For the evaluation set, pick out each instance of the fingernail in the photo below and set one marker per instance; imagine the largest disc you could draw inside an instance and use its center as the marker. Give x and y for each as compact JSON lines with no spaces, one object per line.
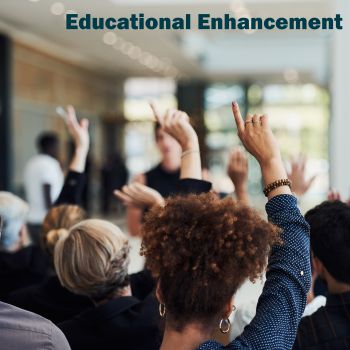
{"x":234,"y":103}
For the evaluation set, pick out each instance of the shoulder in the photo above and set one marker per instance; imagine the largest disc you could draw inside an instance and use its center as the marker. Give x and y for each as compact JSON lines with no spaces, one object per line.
{"x":16,"y":321}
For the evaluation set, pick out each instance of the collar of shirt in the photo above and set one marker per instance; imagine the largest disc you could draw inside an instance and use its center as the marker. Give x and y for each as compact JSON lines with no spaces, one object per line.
{"x":108,"y":310}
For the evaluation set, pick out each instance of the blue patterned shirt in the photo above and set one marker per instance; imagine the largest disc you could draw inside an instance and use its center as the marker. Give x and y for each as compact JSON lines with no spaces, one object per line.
{"x":288,"y":279}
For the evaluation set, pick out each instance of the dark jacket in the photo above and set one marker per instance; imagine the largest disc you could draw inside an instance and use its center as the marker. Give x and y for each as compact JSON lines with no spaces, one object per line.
{"x":20,"y":269}
{"x":50,"y":300}
{"x":328,"y":327}
{"x":123,"y":323}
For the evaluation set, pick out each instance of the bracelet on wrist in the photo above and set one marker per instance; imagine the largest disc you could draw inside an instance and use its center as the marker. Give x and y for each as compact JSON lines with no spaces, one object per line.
{"x":279,"y":183}
{"x":184,"y":154}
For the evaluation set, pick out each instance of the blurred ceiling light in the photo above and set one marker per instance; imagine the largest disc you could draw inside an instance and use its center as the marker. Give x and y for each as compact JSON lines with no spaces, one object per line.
{"x":126,"y":48}
{"x":57,"y":8}
{"x":135,"y":53}
{"x":34,"y":0}
{"x":109,"y":38}
{"x":291,"y":75}
{"x":118,"y":43}
{"x":145,"y":57}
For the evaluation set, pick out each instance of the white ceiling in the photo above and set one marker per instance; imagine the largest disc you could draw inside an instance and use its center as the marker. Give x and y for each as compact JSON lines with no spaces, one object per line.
{"x":193,"y":54}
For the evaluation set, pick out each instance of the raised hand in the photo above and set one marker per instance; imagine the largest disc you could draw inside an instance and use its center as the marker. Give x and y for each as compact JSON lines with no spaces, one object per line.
{"x":78,"y":130}
{"x":258,"y":139}
{"x":297,"y":176}
{"x":256,"y":136}
{"x":237,"y":170}
{"x":139,"y":196}
{"x":333,"y":195}
{"x":177,"y":124}
{"x":80,"y":134}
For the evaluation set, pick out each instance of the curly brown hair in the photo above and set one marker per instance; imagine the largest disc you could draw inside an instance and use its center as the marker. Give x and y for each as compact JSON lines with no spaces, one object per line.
{"x":201,"y":249}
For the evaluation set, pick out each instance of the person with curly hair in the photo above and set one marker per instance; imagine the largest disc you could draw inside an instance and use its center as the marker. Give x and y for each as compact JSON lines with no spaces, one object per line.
{"x":201,"y":249}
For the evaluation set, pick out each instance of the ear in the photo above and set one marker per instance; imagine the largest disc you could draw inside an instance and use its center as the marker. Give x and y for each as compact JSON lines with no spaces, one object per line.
{"x":317,"y":266}
{"x":159,"y":293}
{"x":229,"y":308}
{"x":24,"y":236}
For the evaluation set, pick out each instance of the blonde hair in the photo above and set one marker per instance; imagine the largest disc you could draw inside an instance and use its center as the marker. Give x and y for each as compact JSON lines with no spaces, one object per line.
{"x":57,"y":222}
{"x":92,"y":259}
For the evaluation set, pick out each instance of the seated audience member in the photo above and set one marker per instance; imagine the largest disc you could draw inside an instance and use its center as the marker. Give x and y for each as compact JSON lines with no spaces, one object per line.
{"x":21,"y":264}
{"x":92,"y":260}
{"x":201,"y":249}
{"x":21,"y":329}
{"x":43,"y":180}
{"x":329,"y":327}
{"x":49,"y":299}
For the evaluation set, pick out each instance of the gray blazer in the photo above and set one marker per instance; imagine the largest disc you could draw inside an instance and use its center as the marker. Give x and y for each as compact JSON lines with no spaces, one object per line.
{"x":21,"y":329}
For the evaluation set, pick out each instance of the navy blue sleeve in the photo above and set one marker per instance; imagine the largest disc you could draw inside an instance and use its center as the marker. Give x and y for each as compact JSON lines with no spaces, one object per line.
{"x":288,"y":280}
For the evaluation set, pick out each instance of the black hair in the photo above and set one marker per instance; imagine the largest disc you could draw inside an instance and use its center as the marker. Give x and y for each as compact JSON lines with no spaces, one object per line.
{"x":47,"y":141}
{"x":330,"y":237}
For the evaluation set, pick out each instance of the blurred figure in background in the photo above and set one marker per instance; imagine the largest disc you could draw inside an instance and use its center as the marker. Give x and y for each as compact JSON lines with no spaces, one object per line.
{"x":49,"y":298}
{"x":43,"y":180}
{"x":114,"y":175}
{"x":163,"y":177}
{"x":21,"y":264}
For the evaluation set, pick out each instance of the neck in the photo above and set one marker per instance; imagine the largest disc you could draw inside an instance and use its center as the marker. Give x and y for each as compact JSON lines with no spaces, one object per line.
{"x":171,"y":163}
{"x":335,"y":287}
{"x":190,"y":338}
{"x":125,"y":292}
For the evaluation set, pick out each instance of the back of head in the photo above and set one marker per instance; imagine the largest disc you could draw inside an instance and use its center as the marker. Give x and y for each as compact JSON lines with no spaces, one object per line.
{"x":92,"y":259}
{"x":202,"y":248}
{"x":13,"y":211}
{"x":47,"y":143}
{"x":57,"y":221}
{"x":330,"y":237}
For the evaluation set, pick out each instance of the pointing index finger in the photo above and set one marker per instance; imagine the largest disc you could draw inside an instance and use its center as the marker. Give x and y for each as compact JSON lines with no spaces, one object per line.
{"x":238,"y":116}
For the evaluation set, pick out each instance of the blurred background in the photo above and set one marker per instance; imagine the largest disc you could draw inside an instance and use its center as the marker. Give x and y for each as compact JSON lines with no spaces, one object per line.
{"x":299,"y":78}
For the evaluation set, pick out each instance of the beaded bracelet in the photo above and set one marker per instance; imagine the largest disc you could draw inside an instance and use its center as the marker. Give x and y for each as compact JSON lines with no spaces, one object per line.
{"x":276,"y":184}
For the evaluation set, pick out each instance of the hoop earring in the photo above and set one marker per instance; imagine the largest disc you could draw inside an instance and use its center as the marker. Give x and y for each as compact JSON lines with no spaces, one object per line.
{"x":228,"y":325}
{"x":162,"y":310}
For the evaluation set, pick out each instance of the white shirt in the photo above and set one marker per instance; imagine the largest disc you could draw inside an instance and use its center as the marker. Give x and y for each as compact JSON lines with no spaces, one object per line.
{"x":41,"y":169}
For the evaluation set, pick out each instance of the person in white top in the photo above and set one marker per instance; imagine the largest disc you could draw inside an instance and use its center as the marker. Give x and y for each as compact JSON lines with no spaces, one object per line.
{"x":43,"y":181}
